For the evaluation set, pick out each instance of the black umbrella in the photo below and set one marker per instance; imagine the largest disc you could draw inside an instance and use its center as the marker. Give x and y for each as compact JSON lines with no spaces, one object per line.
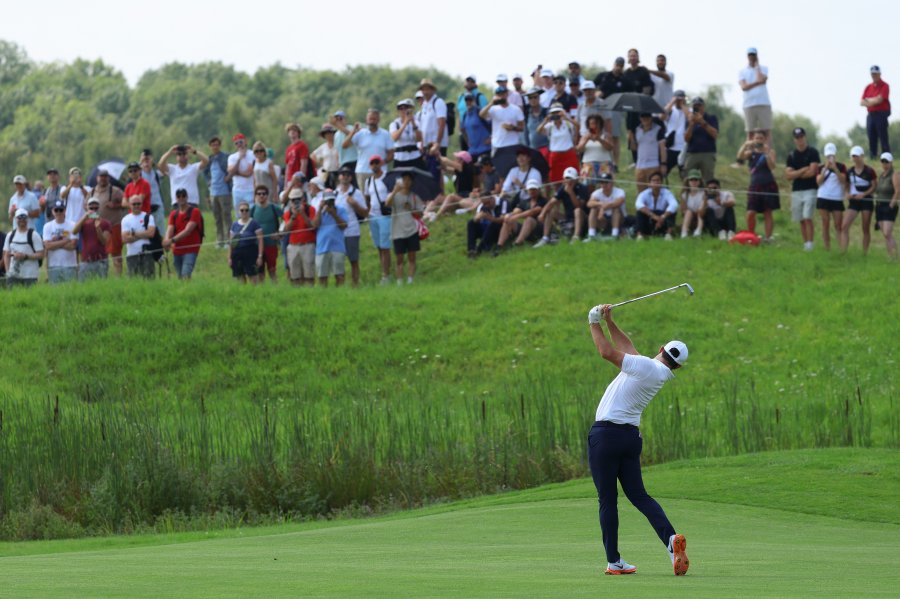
{"x":424,"y":185}
{"x":632,"y":102}
{"x":505,"y":160}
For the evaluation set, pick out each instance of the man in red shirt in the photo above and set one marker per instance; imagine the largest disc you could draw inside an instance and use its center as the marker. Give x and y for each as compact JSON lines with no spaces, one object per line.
{"x":296,"y":157}
{"x":301,"y":250}
{"x":876,"y":99}
{"x":183,"y":235}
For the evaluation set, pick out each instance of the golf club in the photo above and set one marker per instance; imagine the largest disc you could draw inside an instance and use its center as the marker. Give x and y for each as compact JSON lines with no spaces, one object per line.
{"x":689,"y":288}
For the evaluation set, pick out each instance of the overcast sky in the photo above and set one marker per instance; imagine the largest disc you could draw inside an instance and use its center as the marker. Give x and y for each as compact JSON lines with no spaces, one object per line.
{"x":818,"y":53}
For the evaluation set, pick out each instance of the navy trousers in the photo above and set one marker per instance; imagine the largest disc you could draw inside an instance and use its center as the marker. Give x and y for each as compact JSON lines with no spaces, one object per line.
{"x":614,"y":453}
{"x":877,"y":130}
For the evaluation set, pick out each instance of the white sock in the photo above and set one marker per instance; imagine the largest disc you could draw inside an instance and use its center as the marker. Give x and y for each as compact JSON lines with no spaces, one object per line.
{"x":592,"y":232}
{"x":409,"y":280}
{"x":615,"y":232}
{"x":545,"y":238}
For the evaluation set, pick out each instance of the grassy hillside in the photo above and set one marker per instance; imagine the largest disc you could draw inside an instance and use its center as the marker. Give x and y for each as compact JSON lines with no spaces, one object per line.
{"x":749,"y":534}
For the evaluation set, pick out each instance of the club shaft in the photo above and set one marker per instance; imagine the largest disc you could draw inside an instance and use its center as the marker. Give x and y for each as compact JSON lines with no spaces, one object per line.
{"x":650,"y":295}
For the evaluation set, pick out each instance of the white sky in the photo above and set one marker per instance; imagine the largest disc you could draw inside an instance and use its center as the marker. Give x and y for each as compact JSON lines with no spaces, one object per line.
{"x":818,"y":53}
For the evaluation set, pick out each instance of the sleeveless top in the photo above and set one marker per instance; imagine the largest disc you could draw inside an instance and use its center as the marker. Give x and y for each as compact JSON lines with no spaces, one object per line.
{"x":884,"y":189}
{"x":860,"y":182}
{"x":760,"y":173}
{"x":595,"y":152}
{"x":261,"y":173}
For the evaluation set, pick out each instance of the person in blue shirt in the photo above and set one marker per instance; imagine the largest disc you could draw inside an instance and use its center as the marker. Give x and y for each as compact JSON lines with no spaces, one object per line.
{"x":480,"y":102}
{"x":475,"y":130}
{"x":329,"y":223}
{"x":216,"y":172}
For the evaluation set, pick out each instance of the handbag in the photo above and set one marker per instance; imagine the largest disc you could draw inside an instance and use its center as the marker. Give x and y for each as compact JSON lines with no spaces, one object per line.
{"x":423,"y":229}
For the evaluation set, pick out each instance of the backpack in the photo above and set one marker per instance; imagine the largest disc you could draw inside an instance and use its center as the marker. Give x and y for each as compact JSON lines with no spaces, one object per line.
{"x":190,"y":210}
{"x":279,"y":217}
{"x":155,"y":247}
{"x":451,"y":118}
{"x":30,"y":242}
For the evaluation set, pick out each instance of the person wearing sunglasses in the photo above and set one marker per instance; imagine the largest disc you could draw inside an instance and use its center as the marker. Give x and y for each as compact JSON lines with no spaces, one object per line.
{"x":95,"y":233}
{"x":59,"y":244}
{"x":264,"y":170}
{"x":182,"y":174}
{"x":113,"y":209}
{"x":183,"y":235}
{"x":138,"y":228}
{"x":269,"y":216}
{"x":23,"y":249}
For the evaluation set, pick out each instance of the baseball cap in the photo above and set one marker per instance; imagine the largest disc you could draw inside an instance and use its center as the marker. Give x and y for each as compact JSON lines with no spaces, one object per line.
{"x":59,"y":204}
{"x":295,"y":194}
{"x":678,"y":351}
{"x":93,"y":200}
{"x":502,"y":77}
{"x":605,"y":177}
{"x":340,"y":114}
{"x":485,"y":159}
{"x":698,"y":100}
{"x":574,"y":63}
{"x":345,"y":170}
{"x":887,"y":156}
{"x":857,"y":151}
{"x":557,"y":78}
{"x":238,"y":137}
{"x":409,"y":102}
{"x":588,"y":85}
{"x":376,"y":157}
{"x":419,"y":94}
{"x":52,"y":169}
{"x":532,"y":184}
{"x":546,"y":72}
{"x":679,"y":93}
{"x":799,"y":131}
{"x":619,"y":60}
{"x":20,"y":179}
{"x":464,"y":156}
{"x":74,"y":171}
{"x":471,"y":78}
{"x":570,"y":173}
{"x":517,"y":76}
{"x":20,"y":212}
{"x":466,"y":96}
{"x":103,"y":173}
{"x":875,"y":69}
{"x":500,"y":90}
{"x":326,"y":128}
{"x":693,"y":174}
{"x":752,"y":50}
{"x":318,"y":182}
{"x":830,"y":149}
{"x":133,"y":165}
{"x":574,"y":81}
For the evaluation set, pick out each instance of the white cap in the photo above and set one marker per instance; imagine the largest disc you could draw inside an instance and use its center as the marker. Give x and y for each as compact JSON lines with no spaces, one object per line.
{"x":546,"y":72}
{"x":419,"y":94}
{"x":471,"y":76}
{"x":517,"y":75}
{"x":502,"y":77}
{"x":588,"y":84}
{"x":556,"y":107}
{"x":830,"y":149}
{"x":20,"y":179}
{"x":21,"y":212}
{"x":532,"y":184}
{"x":678,"y":351}
{"x":887,"y":156}
{"x":570,"y":173}
{"x":857,"y":151}
{"x":318,"y":182}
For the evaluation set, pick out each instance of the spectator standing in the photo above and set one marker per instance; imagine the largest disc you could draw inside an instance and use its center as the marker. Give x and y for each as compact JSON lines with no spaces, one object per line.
{"x":23,"y":198}
{"x":663,"y":81}
{"x":183,"y":175}
{"x":562,"y":97}
{"x":543,"y":79}
{"x":832,"y":181}
{"x":801,"y":170}
{"x":517,"y":93}
{"x":329,"y":222}
{"x":592,"y":105}
{"x":327,"y":156}
{"x":861,"y":182}
{"x":506,"y":121}
{"x":379,"y":216}
{"x":595,"y":146}
{"x":475,"y":130}
{"x":22,"y":250}
{"x":609,"y":83}
{"x":886,"y":194}
{"x":656,"y":208}
{"x":700,"y":136}
{"x":762,"y":194}
{"x":405,"y":207}
{"x":559,"y":127}
{"x":407,"y":136}
{"x":533,"y":117}
{"x":471,"y":89}
{"x":435,"y":134}
{"x":183,"y":235}
{"x":301,"y":249}
{"x":240,"y":168}
{"x":216,"y":174}
{"x":51,"y":193}
{"x":245,"y":247}
{"x":693,"y":205}
{"x":296,"y":156}
{"x":264,"y":170}
{"x":484,"y":229}
{"x":720,"y":219}
{"x":576,"y":92}
{"x":94,"y":232}
{"x":150,"y":174}
{"x":60,"y":241}
{"x":354,"y":205}
{"x":74,"y":195}
{"x":575,"y":73}
{"x":606,"y":207}
{"x":757,"y":106}
{"x":269,"y":217}
{"x":347,"y":155}
{"x":676,"y":117}
{"x":112,"y":210}
{"x":369,"y":142}
{"x":877,"y":100}
{"x":648,"y":141}
{"x":638,"y":80}
{"x":138,"y":228}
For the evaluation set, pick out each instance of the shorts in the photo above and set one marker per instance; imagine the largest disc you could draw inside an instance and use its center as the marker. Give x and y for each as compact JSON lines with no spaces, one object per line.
{"x":114,"y":244}
{"x":380,"y":228}
{"x":184,"y":264}
{"x":351,"y":245}
{"x":758,"y":117}
{"x":861,"y":205}
{"x":761,"y":198}
{"x":884,"y":212}
{"x":330,"y":263}
{"x":406,"y":245}
{"x":270,"y":257}
{"x":243,"y":261}
{"x":694,"y":203}
{"x":803,"y":204}
{"x":830,"y":205}
{"x":141,"y":264}
{"x":301,"y":259}
{"x":560,"y":161}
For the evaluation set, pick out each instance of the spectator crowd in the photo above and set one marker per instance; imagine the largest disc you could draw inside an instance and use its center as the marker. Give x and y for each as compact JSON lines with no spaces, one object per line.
{"x":536,"y":164}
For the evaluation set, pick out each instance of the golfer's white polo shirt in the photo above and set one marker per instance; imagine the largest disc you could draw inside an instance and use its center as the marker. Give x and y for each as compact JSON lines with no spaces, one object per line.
{"x":630,"y":392}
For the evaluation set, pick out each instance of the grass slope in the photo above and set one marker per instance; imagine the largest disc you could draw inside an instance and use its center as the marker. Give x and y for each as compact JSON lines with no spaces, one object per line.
{"x":750,"y":533}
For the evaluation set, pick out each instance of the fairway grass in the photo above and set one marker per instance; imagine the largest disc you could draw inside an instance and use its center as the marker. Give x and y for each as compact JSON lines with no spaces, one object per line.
{"x":828,"y":528}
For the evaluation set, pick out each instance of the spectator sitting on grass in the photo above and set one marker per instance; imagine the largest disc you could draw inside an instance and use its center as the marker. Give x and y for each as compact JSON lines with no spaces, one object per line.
{"x":329,"y":222}
{"x":245,"y":250}
{"x":607,"y":208}
{"x":483,"y":230}
{"x":136,"y":233}
{"x":183,"y":235}
{"x":656,"y":208}
{"x":94,"y":232}
{"x":22,"y":248}
{"x":720,"y":219}
{"x":464,"y":184}
{"x":693,"y":205}
{"x":60,"y":241}
{"x":573,"y":196}
{"x":523,"y":218}
{"x":596,"y":147}
{"x":489,"y":179}
{"x":405,"y":208}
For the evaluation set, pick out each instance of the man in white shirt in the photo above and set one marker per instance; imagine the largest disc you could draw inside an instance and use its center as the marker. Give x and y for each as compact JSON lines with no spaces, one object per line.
{"x":22,"y":250}
{"x":607,"y":206}
{"x":615,"y":442}
{"x":23,"y":198}
{"x":435,"y":135}
{"x":59,"y":245}
{"x":506,"y":120}
{"x":676,"y":117}
{"x":757,"y":106}
{"x":74,"y":195}
{"x":663,"y":81}
{"x":351,"y":199}
{"x":183,"y":175}
{"x":240,"y":169}
{"x":138,"y":228}
{"x":656,"y":208}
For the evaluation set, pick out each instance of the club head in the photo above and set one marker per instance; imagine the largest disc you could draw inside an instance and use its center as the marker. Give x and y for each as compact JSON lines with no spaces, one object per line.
{"x":689,"y":288}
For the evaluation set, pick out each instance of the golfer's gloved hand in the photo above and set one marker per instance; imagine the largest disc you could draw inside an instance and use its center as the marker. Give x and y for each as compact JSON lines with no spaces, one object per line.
{"x":594,"y":316}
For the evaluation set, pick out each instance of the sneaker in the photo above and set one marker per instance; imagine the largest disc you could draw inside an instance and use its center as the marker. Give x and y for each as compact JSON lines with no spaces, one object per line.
{"x":684,"y":234}
{"x":723,"y":235}
{"x":698,"y":232}
{"x":385,"y":280}
{"x":640,"y":237}
{"x":473,"y":254}
{"x":680,"y":561}
{"x":589,"y":239}
{"x":668,"y":237}
{"x":544,"y":241}
{"x":730,"y":235}
{"x":621,"y":567}
{"x":807,"y":246}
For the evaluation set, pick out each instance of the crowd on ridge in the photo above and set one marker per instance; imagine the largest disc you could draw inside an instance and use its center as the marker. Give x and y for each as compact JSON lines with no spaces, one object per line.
{"x":535,"y":164}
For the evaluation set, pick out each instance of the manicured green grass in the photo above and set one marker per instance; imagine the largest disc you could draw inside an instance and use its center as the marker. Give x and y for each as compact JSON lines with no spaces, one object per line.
{"x":750,"y":532}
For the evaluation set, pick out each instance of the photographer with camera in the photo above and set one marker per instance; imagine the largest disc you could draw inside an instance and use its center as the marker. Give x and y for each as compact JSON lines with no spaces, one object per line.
{"x":562,"y":131}
{"x":95,"y":232}
{"x":329,"y":222}
{"x":407,"y":136}
{"x":506,"y":120}
{"x":762,"y":194}
{"x":301,"y":249}
{"x":183,"y":175}
{"x":700,"y":133}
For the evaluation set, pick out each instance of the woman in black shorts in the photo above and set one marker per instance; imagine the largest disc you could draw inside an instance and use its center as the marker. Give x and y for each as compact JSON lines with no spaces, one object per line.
{"x":861,"y":181}
{"x":832,"y":182}
{"x":762,"y":194}
{"x":887,"y":191}
{"x":245,"y":252}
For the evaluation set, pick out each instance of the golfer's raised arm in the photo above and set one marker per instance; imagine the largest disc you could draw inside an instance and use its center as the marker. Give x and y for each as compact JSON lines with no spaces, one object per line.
{"x":620,"y":339}
{"x":604,"y":345}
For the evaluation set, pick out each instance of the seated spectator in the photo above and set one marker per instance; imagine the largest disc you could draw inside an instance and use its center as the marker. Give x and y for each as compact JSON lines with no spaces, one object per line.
{"x":573,"y":196}
{"x":693,"y":205}
{"x":183,"y":235}
{"x":95,"y":233}
{"x":656,"y":208}
{"x":489,"y":179}
{"x":138,"y":228}
{"x":861,"y":181}
{"x":596,"y":147}
{"x":329,"y":222}
{"x":301,"y":250}
{"x":562,"y":131}
{"x":60,"y":241}
{"x":720,"y":220}
{"x":648,"y":139}
{"x":376,"y":194}
{"x":23,"y":248}
{"x":514,"y":184}
{"x":762,"y":194}
{"x":407,"y":137}
{"x":534,"y":116}
{"x":700,"y":134}
{"x":464,"y":173}
{"x":327,"y":155}
{"x":245,"y":248}
{"x":832,"y":181}
{"x":522,"y":220}
{"x":607,"y":209}
{"x":405,"y":207}
{"x":475,"y":130}
{"x":484,"y":229}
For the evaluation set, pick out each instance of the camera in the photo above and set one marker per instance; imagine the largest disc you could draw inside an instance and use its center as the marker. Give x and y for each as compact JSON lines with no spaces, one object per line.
{"x":555,"y":117}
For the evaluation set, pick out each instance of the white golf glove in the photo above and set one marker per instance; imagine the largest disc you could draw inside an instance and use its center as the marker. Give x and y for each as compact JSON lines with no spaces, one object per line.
{"x":594,"y":315}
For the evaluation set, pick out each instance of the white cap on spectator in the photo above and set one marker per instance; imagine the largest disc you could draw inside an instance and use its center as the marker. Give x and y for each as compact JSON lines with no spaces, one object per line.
{"x":887,"y":156}
{"x":546,"y":72}
{"x":472,"y":77}
{"x":517,"y":75}
{"x":502,"y":77}
{"x":318,"y":182}
{"x":20,"y":179}
{"x":21,"y":212}
{"x":419,"y":94}
{"x":532,"y":184}
{"x":856,"y":151}
{"x":830,"y":149}
{"x":588,"y":84}
{"x":570,"y":173}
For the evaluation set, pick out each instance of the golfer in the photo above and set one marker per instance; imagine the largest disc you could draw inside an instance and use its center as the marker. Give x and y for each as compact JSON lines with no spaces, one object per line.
{"x":614,"y":443}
